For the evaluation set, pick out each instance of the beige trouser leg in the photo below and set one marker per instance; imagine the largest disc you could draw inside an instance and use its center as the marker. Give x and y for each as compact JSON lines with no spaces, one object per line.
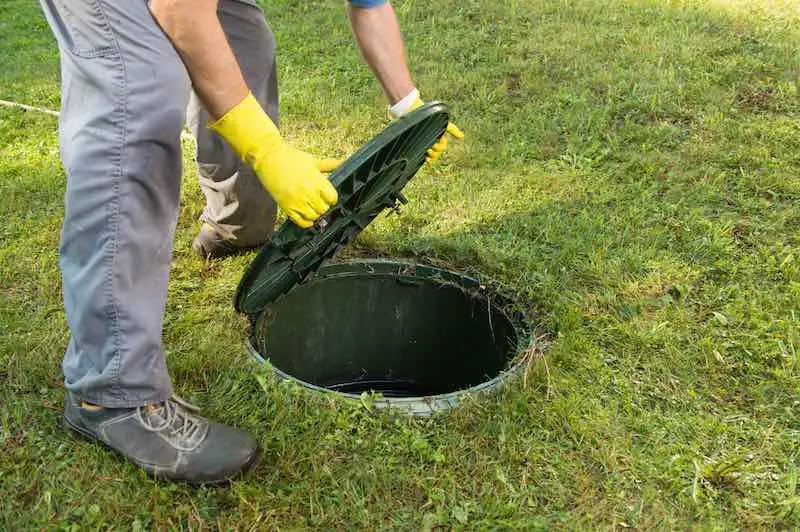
{"x":237,"y":205}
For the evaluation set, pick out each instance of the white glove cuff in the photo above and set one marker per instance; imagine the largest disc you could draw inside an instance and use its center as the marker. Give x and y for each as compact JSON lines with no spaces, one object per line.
{"x":404,"y":105}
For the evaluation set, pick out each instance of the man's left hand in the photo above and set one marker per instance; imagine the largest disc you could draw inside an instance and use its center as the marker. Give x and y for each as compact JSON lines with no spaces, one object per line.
{"x":440,"y":147}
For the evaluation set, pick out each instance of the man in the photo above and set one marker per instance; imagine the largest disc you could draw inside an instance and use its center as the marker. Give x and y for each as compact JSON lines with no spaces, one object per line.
{"x":127,"y":68}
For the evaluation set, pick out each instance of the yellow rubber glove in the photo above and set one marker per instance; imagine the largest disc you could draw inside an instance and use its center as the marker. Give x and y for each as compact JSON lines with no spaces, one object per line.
{"x":440,"y":147}
{"x":293,"y":177}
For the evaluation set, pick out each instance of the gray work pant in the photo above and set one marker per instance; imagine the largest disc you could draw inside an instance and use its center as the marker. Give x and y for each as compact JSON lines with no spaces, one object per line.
{"x":125,"y":94}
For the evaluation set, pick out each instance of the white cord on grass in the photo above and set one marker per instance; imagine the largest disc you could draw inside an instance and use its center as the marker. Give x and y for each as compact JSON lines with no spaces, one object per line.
{"x":6,"y":103}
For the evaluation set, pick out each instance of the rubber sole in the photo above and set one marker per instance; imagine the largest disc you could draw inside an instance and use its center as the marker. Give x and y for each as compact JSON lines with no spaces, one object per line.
{"x":86,"y":435}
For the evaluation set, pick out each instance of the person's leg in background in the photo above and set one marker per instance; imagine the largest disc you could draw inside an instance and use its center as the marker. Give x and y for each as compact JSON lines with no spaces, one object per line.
{"x":124,"y":95}
{"x":239,"y":213}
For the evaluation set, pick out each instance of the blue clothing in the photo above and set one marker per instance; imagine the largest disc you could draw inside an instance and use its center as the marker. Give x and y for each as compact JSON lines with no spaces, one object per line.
{"x":367,"y":3}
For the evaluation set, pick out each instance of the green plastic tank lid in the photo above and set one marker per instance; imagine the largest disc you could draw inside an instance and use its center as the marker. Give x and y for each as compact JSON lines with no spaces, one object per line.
{"x":368,"y":182}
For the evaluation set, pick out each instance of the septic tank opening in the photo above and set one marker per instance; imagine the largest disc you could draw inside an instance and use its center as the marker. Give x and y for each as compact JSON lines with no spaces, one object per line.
{"x":403,"y":330}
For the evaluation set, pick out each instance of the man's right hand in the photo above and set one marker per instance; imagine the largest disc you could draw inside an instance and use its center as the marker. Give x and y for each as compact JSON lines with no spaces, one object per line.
{"x":293,"y":177}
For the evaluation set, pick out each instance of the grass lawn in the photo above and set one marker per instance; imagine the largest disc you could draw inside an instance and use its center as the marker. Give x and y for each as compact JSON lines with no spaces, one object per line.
{"x":630,"y":167}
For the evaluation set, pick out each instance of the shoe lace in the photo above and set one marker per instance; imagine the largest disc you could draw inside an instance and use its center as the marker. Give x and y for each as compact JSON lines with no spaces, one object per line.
{"x":174,"y":413}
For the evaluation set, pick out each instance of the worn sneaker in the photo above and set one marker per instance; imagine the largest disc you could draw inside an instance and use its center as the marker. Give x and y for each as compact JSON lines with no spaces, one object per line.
{"x":168,"y":440}
{"x":210,"y":244}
